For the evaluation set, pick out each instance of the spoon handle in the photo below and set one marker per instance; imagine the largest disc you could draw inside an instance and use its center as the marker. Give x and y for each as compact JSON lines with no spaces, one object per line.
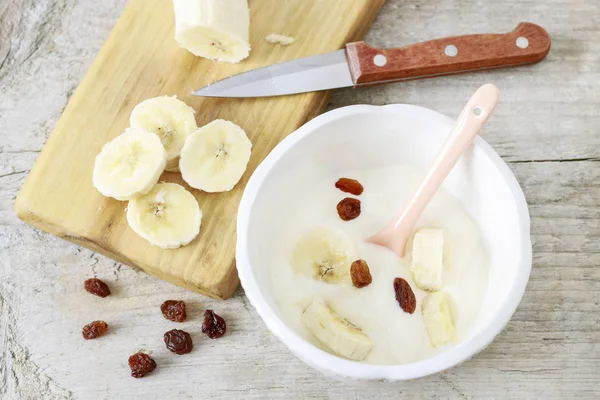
{"x":469,"y":123}
{"x":467,"y":126}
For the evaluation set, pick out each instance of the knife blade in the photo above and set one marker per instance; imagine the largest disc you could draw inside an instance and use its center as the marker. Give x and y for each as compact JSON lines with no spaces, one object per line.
{"x":360,"y":64}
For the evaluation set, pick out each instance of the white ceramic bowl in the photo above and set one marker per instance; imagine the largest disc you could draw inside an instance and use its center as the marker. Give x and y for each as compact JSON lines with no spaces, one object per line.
{"x":369,"y":136}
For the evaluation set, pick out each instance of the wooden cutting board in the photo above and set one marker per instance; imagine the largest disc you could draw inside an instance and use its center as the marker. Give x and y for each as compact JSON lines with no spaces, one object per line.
{"x":139,"y":60}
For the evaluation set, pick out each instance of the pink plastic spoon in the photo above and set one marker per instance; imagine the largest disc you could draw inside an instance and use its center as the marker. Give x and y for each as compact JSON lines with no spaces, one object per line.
{"x":477,"y":111}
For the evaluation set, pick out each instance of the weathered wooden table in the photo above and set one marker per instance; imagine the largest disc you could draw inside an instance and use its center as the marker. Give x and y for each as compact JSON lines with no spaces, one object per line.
{"x":547,"y":128}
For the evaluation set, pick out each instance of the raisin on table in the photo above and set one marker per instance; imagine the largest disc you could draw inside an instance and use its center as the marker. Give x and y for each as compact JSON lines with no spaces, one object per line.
{"x":94,"y":329}
{"x":214,"y":326}
{"x":179,"y":342}
{"x":96,"y":287}
{"x":141,"y":364}
{"x":174,"y":310}
{"x":405,"y":295}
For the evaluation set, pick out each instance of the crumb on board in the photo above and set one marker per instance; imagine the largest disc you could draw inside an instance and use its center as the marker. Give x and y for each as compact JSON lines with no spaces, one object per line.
{"x":280,"y":39}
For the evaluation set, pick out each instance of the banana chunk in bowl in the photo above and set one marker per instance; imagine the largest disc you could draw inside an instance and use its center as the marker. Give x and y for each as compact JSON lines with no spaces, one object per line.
{"x":335,"y":332}
{"x":325,"y":254}
{"x":438,"y":320}
{"x":427,"y":258}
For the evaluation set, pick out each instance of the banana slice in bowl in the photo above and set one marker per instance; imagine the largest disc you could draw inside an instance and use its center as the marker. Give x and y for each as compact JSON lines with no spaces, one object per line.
{"x":215,"y":157}
{"x":168,"y":216}
{"x":169,"y":118}
{"x":325,"y":254}
{"x":129,"y":165}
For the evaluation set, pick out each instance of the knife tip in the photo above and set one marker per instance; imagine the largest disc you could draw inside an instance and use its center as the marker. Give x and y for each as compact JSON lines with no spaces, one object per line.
{"x":200,"y":92}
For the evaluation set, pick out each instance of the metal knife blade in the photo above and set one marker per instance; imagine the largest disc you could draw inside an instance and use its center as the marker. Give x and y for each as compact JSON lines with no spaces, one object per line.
{"x":320,"y":72}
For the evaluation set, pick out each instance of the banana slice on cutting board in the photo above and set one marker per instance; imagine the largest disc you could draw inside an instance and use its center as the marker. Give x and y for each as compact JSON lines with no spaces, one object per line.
{"x":214,"y":29}
{"x":129,"y":165}
{"x":437,"y":317}
{"x":325,"y":254}
{"x":215,"y":157}
{"x":171,"y":119}
{"x":168,"y":216}
{"x":427,"y":257}
{"x":335,"y":332}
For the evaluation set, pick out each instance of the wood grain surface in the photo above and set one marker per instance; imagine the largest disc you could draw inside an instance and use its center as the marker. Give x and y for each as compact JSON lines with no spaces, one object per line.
{"x":448,"y":56}
{"x":546,"y":128}
{"x":140,"y":60}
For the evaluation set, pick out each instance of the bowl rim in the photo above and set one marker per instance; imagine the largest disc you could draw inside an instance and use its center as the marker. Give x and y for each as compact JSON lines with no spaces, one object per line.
{"x":327,"y":362}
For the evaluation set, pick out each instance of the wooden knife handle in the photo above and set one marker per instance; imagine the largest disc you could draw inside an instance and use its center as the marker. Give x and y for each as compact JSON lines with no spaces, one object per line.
{"x":527,"y":44}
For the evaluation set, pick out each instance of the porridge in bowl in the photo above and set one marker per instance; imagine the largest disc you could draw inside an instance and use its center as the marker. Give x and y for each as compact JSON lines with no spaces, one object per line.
{"x":320,"y":271}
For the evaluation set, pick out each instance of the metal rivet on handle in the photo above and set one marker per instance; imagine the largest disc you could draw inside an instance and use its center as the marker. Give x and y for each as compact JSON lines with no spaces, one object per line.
{"x":380,"y":60}
{"x":522,"y":42}
{"x":451,"y":50}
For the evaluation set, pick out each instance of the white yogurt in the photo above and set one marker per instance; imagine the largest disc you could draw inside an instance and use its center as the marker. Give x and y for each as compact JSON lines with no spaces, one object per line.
{"x":398,"y":337}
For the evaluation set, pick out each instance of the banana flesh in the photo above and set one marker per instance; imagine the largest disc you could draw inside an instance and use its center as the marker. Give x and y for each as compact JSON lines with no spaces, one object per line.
{"x":427,"y":259}
{"x":168,"y":216}
{"x":325,"y":254}
{"x":215,"y":157}
{"x":437,"y":317}
{"x":129,"y":165}
{"x":214,"y":29}
{"x":335,"y":332}
{"x":276,"y":38}
{"x":169,"y":118}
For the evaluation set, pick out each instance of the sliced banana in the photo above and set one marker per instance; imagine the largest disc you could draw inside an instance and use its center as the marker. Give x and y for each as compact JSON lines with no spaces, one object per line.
{"x":129,"y":165}
{"x":427,"y":256}
{"x":168,"y":216}
{"x":325,"y":254}
{"x":214,"y":29}
{"x":171,"y":119}
{"x":215,"y":157}
{"x":335,"y":332}
{"x":276,"y":38}
{"x":437,"y":317}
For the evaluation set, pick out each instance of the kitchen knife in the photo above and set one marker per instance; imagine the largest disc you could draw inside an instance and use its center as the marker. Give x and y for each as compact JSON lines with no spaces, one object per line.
{"x":360,"y":64}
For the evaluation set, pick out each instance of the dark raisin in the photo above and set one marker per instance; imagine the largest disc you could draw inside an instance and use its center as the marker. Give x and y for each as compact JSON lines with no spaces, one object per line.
{"x":94,"y":329}
{"x":141,"y":364}
{"x":348,"y":208}
{"x":351,"y":186}
{"x":405,"y":295}
{"x":361,"y":276}
{"x":179,"y":342}
{"x":97,"y":287}
{"x":174,"y":310}
{"x":213,"y":325}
